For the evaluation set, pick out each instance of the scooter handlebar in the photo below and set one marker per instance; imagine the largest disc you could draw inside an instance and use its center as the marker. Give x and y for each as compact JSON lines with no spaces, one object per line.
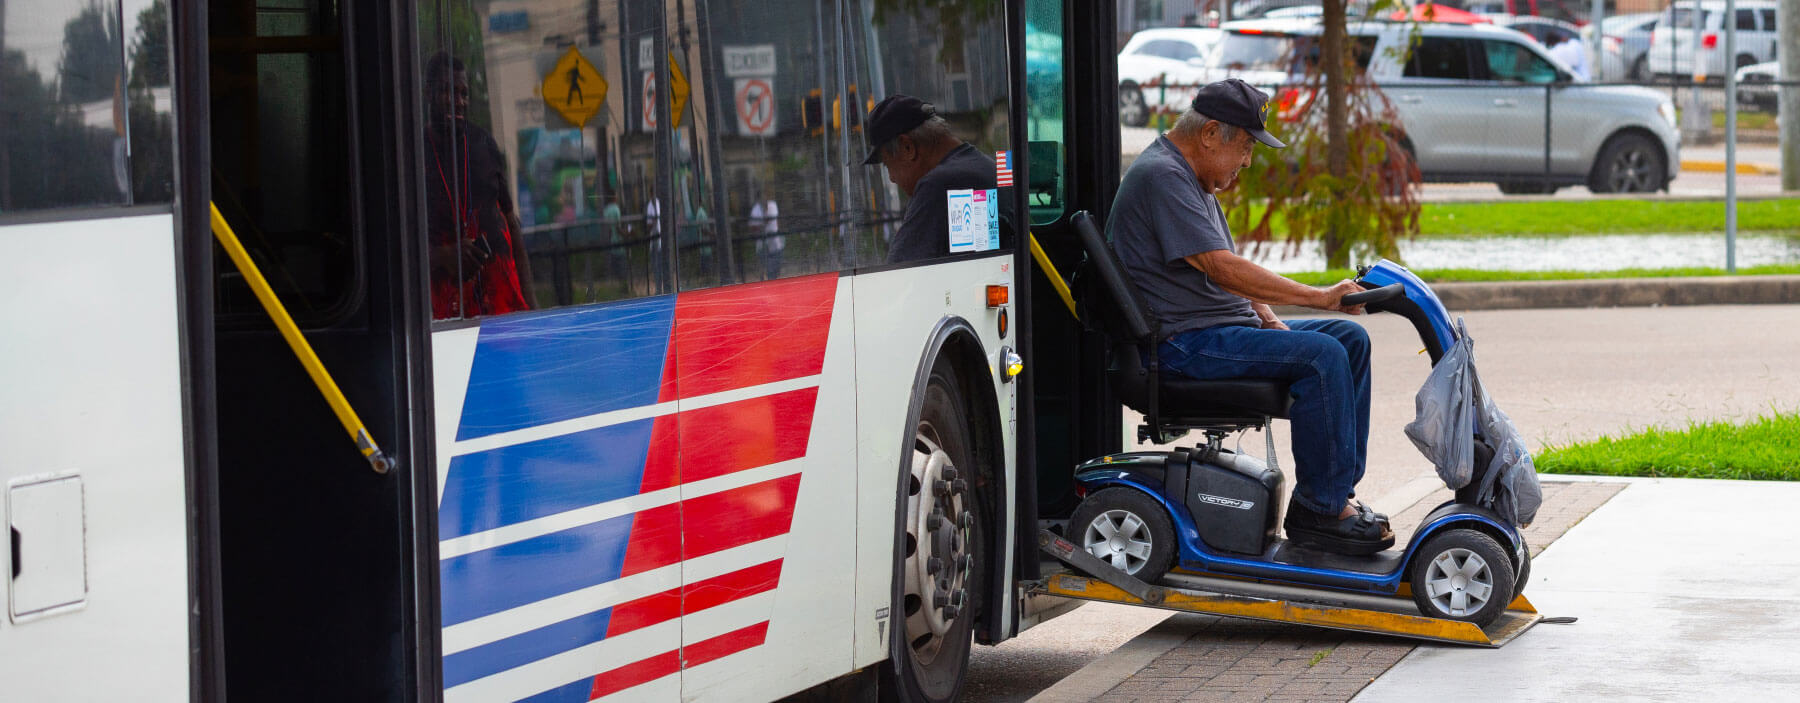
{"x":1378,"y":295}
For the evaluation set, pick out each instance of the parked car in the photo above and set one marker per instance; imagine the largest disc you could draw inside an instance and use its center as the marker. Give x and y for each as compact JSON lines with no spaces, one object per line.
{"x":1756,"y":89}
{"x":1158,"y":57}
{"x":1471,"y":99}
{"x":1624,"y":41}
{"x":1672,"y":39}
{"x":1540,"y":29}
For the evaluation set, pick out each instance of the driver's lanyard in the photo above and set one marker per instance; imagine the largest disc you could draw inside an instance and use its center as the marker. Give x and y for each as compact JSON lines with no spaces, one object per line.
{"x":459,"y":208}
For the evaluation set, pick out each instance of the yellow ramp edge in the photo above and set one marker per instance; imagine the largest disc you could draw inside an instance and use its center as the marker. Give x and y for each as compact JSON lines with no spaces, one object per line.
{"x":1515,"y":621}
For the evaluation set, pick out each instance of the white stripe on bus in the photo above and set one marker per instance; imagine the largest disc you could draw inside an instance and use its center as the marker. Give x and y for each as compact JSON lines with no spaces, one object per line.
{"x":615,"y":417}
{"x":525,"y":618}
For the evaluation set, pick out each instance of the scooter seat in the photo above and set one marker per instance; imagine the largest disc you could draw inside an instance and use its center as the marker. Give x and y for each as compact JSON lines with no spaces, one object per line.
{"x":1185,"y":400}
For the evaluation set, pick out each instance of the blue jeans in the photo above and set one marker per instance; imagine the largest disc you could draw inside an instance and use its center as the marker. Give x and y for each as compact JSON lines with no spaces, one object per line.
{"x":1327,"y":363}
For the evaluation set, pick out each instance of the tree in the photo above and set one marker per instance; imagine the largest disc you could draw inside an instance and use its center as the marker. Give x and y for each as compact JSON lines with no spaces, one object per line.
{"x":1346,"y":178}
{"x":150,"y":47}
{"x":89,"y":68}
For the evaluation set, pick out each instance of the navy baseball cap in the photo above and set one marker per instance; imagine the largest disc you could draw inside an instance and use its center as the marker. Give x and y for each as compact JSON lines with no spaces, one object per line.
{"x":893,"y":116}
{"x":1240,"y":105}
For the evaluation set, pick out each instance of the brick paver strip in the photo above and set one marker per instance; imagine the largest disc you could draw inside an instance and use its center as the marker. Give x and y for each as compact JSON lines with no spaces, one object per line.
{"x":1228,"y":659}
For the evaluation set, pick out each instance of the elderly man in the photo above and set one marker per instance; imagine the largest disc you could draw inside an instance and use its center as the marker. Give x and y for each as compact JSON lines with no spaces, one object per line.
{"x":925,"y":160}
{"x":1213,"y":308}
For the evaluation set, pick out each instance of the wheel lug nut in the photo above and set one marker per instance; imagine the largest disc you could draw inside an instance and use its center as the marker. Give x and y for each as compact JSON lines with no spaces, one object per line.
{"x":959,"y":486}
{"x":958,"y":597}
{"x":966,"y":562}
{"x":941,"y":488}
{"x":950,"y":473}
{"x":934,"y":565}
{"x":940,"y":600}
{"x":968,"y":520}
{"x":934,"y":520}
{"x":952,"y":612}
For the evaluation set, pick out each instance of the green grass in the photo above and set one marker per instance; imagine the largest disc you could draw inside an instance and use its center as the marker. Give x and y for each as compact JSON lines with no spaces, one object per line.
{"x":1322,"y":278}
{"x":1604,"y":216}
{"x":1765,"y":449}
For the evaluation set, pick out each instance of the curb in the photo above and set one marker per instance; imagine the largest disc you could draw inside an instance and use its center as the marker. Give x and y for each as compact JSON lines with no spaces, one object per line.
{"x":1607,"y":293}
{"x":1621,"y":292}
{"x":1743,"y":169}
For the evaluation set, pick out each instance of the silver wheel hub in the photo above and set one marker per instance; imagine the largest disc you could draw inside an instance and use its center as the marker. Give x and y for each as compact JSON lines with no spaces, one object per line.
{"x":1458,"y":582}
{"x":938,"y":561}
{"x":1119,"y":538}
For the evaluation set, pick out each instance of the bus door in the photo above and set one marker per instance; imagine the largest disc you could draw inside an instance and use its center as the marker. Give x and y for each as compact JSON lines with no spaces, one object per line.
{"x":313,"y":164}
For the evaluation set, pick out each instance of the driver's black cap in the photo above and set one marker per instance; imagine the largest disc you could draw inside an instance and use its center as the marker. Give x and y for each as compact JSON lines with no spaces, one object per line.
{"x":895,"y":115}
{"x":1240,"y":105}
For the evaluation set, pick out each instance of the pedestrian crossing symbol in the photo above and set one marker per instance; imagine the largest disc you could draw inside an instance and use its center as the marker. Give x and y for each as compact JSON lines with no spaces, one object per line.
{"x":574,"y":89}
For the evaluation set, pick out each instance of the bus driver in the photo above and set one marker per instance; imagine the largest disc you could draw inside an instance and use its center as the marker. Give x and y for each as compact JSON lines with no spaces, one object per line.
{"x":1213,"y":307}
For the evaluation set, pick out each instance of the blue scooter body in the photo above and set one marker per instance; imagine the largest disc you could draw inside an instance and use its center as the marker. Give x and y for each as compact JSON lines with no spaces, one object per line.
{"x":1382,"y":573}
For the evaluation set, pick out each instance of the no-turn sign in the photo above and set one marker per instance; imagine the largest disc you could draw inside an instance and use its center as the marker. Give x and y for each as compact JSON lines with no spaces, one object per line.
{"x":756,"y":107}
{"x":648,"y":102}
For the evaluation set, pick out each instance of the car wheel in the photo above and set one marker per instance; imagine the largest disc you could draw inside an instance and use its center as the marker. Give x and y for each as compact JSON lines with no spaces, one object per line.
{"x":1526,"y":187}
{"x":1127,"y":529}
{"x":1462,"y":574}
{"x":940,"y":559}
{"x":1629,"y":163}
{"x":1744,"y":60}
{"x":1132,"y":110}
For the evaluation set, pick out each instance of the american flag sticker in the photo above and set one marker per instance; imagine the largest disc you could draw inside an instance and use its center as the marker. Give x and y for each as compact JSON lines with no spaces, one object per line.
{"x":1003,"y":169}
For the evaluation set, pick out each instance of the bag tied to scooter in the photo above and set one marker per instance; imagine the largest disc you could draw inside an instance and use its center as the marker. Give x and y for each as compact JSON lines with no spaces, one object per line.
{"x":1453,"y":412}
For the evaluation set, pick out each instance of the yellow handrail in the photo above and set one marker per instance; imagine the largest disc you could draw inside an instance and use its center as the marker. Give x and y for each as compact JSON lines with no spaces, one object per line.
{"x":1056,"y":279}
{"x":321,"y":378}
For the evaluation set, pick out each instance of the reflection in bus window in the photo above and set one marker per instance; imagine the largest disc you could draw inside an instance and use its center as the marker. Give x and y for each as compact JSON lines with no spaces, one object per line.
{"x":64,"y":97}
{"x":646,"y":142}
{"x":1044,"y":110}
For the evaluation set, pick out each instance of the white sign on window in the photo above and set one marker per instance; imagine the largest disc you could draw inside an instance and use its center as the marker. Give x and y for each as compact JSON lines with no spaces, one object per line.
{"x":974,"y":220}
{"x":753,"y":60}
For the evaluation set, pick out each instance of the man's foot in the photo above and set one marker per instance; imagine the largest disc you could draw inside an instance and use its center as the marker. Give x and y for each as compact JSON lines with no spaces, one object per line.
{"x":1359,"y":506}
{"x":1355,"y":530}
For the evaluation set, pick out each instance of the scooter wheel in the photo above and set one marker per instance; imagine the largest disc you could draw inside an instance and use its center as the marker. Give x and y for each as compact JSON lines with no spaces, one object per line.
{"x":1462,"y":574}
{"x":1125,"y":528}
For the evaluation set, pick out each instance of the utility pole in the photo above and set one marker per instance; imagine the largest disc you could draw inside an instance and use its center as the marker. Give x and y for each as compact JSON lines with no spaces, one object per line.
{"x":1788,"y":102}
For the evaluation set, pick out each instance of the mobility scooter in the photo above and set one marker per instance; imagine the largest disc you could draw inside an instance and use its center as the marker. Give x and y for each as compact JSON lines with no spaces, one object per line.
{"x":1208,"y":512}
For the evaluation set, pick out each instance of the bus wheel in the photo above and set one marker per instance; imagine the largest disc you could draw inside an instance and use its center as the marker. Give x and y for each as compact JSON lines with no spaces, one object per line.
{"x":940,"y":557}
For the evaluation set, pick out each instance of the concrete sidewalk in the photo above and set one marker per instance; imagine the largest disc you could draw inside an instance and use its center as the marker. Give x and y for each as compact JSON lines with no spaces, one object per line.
{"x":1684,"y":589}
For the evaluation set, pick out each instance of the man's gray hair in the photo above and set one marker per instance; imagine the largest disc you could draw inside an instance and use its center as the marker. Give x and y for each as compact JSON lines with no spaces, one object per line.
{"x":934,"y":130}
{"x":1191,"y":121}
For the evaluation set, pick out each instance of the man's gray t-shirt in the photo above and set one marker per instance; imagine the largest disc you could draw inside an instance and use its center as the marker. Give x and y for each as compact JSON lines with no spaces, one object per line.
{"x":1159,"y":217}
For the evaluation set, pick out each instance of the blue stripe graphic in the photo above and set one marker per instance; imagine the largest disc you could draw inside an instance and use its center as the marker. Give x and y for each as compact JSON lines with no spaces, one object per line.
{"x":512,"y":484}
{"x":527,"y":571}
{"x":524,"y":648}
{"x":572,"y":693}
{"x":531,"y":370}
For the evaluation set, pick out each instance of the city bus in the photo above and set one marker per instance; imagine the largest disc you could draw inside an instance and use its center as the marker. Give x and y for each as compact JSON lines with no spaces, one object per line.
{"x":608,"y":282}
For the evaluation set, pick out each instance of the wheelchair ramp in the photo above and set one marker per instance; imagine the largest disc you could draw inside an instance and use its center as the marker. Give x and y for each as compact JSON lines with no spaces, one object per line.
{"x":1253,"y":600}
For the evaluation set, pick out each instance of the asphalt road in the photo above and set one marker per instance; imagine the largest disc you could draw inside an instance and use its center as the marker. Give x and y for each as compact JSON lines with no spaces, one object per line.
{"x":1562,"y":375}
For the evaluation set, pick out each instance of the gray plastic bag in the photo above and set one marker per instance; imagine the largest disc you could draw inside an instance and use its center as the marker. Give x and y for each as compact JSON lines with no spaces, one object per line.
{"x":1453,"y":411}
{"x":1443,"y":427}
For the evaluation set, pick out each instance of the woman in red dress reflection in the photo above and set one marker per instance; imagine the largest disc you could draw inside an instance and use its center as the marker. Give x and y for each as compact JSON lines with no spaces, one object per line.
{"x":478,"y":257}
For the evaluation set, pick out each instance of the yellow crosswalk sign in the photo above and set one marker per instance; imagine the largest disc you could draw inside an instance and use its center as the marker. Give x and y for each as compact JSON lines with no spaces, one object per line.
{"x":678,"y":91}
{"x":574,"y":89}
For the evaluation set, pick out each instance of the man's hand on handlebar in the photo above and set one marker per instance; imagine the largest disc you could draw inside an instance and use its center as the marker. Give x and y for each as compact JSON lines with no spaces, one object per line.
{"x":1334,"y":297}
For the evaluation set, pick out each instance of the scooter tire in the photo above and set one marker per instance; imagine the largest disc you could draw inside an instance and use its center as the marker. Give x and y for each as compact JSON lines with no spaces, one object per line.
{"x":1119,"y":507}
{"x":1474,"y":557}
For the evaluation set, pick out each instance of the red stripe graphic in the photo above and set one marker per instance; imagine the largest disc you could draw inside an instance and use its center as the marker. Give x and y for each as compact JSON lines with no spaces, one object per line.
{"x":748,"y":335}
{"x":718,"y":590}
{"x":641,"y":671}
{"x":714,"y":523}
{"x":707,"y":650}
{"x":729,"y":438}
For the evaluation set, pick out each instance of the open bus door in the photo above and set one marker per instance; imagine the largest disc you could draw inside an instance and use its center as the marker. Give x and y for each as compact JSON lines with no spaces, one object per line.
{"x":322,"y":575}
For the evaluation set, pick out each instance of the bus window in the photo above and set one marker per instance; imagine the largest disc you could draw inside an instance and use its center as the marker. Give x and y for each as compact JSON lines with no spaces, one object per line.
{"x":953,"y":57}
{"x":1044,"y":110}
{"x":65,"y":97}
{"x":281,"y":173}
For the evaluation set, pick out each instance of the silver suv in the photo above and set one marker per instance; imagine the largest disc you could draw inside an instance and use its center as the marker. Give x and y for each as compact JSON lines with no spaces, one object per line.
{"x":1475,"y":101}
